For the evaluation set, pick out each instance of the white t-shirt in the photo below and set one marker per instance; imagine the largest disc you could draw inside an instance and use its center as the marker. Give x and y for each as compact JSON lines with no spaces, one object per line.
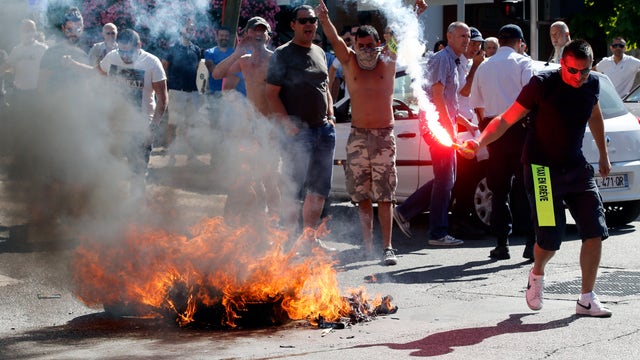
{"x":499,"y":80}
{"x":25,"y":60}
{"x":138,"y":76}
{"x":622,"y":74}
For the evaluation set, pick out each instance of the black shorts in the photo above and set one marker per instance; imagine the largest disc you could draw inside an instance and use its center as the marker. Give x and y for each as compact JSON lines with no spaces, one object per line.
{"x":576,"y":189}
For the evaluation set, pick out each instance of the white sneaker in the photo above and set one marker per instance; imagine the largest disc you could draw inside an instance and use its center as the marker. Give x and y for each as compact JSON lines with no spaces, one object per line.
{"x":534,"y":290}
{"x":447,"y":240}
{"x":389,"y":257}
{"x":589,"y":305}
{"x":403,"y":224}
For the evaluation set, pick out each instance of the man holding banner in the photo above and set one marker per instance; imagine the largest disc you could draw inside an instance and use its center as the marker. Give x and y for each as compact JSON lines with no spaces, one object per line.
{"x":555,"y":170}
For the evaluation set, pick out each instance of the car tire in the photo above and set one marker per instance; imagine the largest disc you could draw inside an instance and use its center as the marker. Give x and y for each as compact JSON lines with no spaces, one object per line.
{"x":621,"y":213}
{"x":482,"y":202}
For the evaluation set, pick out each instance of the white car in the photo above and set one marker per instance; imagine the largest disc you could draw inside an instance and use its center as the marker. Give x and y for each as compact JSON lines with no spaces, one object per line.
{"x":620,"y":190}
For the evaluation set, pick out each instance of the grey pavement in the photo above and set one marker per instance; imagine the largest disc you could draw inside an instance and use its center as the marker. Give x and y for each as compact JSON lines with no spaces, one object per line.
{"x":454,"y":303}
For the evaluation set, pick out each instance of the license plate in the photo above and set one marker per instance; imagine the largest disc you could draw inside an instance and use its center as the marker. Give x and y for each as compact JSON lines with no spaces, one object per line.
{"x":616,"y":181}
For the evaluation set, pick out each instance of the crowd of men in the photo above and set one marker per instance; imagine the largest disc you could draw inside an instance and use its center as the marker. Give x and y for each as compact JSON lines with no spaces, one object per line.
{"x":480,"y":84}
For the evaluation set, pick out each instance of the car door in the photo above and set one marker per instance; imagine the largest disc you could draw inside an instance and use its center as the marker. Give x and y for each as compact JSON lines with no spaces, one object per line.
{"x":413,"y":162}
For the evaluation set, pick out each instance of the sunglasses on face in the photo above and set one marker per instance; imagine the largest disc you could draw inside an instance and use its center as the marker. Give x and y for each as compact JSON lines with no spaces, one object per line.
{"x":574,"y":71}
{"x":311,"y":20}
{"x":621,"y":46}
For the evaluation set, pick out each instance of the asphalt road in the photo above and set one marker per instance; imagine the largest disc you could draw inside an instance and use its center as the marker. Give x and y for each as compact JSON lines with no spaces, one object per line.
{"x":454,"y":303}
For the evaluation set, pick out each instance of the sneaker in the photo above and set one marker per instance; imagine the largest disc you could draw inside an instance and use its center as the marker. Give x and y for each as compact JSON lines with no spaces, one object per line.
{"x":500,"y":253}
{"x":447,"y":240}
{"x":389,"y":257}
{"x":593,"y":306}
{"x":403,"y":224}
{"x":321,"y":244}
{"x":533,"y":293}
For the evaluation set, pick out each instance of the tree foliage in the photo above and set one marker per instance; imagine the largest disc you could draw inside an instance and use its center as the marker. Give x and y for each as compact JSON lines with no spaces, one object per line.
{"x":610,"y":18}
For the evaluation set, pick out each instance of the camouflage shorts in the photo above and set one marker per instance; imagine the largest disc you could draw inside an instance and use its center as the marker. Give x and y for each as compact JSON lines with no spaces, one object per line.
{"x":371,"y":165}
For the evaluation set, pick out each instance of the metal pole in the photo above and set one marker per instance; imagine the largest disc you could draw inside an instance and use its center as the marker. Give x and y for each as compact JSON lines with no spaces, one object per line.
{"x":231,"y":16}
{"x":533,"y":28}
{"x":460,"y":8}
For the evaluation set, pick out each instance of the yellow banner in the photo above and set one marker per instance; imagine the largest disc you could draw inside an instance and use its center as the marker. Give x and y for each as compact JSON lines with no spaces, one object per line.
{"x":544,"y":196}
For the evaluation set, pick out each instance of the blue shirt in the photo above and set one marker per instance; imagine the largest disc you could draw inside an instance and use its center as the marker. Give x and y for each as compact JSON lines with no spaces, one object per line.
{"x":442,"y":67}
{"x":216,"y":56}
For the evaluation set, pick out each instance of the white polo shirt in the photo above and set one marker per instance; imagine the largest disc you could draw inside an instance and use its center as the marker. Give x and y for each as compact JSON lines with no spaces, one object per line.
{"x":622,"y":74}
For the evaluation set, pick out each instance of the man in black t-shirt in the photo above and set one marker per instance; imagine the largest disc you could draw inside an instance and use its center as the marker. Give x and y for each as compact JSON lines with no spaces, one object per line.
{"x":297,"y":91}
{"x":555,"y":170}
{"x":181,"y":66}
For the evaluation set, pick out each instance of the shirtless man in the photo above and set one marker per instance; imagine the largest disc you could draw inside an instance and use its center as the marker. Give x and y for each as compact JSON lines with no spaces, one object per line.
{"x":369,"y":73}
{"x":251,"y":57}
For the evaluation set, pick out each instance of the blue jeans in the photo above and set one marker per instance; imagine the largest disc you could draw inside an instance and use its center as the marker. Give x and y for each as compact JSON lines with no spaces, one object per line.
{"x":310,"y":154}
{"x":435,"y":195}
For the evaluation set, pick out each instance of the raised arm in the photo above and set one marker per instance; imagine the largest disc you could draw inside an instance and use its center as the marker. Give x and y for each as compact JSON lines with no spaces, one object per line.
{"x":340,"y":48}
{"x":230,"y":65}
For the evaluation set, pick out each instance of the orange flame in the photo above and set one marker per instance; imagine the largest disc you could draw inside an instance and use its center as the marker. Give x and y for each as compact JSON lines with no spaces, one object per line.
{"x":218,"y":265}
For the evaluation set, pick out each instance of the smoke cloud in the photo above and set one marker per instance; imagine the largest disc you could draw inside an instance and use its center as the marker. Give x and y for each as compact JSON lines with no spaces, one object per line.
{"x":63,"y":155}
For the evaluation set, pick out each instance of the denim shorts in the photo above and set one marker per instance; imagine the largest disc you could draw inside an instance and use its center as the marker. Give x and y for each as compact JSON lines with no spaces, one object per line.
{"x":309,"y":161}
{"x":576,"y":188}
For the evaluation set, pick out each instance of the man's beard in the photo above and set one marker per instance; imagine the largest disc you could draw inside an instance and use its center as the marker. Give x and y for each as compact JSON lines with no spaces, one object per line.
{"x":73,"y":39}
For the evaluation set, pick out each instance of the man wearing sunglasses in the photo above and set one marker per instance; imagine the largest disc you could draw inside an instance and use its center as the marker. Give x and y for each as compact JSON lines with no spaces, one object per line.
{"x":555,"y":170}
{"x":100,"y":49}
{"x":297,"y":92}
{"x":619,"y":67}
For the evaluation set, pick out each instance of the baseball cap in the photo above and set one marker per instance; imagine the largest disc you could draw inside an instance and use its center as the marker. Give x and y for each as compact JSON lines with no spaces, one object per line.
{"x":257,"y":20}
{"x":475,"y":34}
{"x":510,"y":31}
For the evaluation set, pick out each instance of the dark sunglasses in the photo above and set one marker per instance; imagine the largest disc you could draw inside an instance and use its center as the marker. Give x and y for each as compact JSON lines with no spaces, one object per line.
{"x":574,"y":71}
{"x":311,"y":20}
{"x":621,"y":46}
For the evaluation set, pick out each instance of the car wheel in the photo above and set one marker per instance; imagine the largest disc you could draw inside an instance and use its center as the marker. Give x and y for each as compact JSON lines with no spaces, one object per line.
{"x":482,"y":202}
{"x":621,"y":213}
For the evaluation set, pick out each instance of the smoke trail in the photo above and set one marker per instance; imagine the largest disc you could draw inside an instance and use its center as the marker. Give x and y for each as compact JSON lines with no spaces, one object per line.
{"x":407,"y":29}
{"x":62,"y":153}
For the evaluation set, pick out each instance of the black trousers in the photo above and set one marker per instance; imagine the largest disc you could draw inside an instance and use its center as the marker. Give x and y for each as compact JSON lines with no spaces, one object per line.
{"x":505,"y":180}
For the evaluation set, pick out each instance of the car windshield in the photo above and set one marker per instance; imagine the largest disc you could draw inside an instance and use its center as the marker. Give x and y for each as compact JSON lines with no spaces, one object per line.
{"x":402,"y":91}
{"x":634,"y":96}
{"x":610,"y":103}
